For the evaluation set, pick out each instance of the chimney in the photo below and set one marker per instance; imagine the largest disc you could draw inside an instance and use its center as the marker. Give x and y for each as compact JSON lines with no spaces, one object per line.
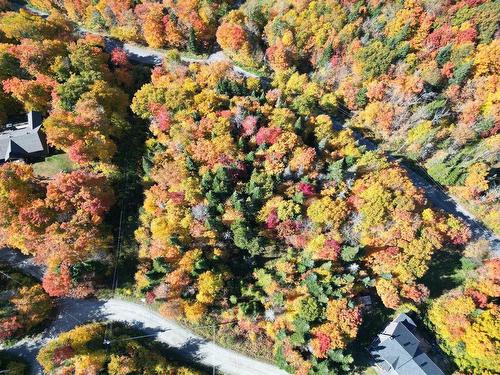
{"x":34,"y":119}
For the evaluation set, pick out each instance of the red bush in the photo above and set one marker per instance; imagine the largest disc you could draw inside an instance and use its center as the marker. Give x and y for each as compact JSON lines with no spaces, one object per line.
{"x":8,"y":327}
{"x":57,"y":284}
{"x":63,"y":353}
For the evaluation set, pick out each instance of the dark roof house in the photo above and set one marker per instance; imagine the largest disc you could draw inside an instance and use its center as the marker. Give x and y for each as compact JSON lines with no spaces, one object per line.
{"x":23,"y":140}
{"x":399,"y":350}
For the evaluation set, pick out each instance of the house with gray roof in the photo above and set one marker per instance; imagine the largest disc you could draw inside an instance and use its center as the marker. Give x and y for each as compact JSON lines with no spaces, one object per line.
{"x":23,"y":140}
{"x":400,"y":350}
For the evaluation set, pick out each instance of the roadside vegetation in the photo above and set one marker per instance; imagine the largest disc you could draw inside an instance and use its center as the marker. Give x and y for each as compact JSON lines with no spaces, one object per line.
{"x":465,"y":318}
{"x":14,"y":366}
{"x":24,"y":305}
{"x":422,"y":76}
{"x":61,"y":210}
{"x":100,"y":348}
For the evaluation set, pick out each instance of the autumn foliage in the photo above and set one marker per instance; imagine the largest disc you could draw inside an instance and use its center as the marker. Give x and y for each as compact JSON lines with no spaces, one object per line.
{"x":81,"y":350}
{"x":420,"y":76}
{"x":79,"y":85}
{"x":26,"y":307}
{"x":82,"y":92}
{"x":267,"y":211}
{"x":184,"y":24}
{"x":267,"y":214}
{"x":59,"y":222}
{"x":466,"y":321}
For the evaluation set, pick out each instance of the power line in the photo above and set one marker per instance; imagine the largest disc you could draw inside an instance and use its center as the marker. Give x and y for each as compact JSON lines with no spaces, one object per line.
{"x":109,"y":325}
{"x":3,"y":273}
{"x":119,"y":245}
{"x":118,"y":250}
{"x":107,"y":342}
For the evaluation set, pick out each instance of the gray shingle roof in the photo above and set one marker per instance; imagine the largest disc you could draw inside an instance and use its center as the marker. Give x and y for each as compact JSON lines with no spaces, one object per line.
{"x":398,"y":351}
{"x":23,"y":139}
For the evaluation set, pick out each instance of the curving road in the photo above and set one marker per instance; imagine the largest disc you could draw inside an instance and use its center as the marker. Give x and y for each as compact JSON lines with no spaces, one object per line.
{"x":151,"y":56}
{"x":441,"y":199}
{"x":138,"y":53}
{"x":72,"y":312}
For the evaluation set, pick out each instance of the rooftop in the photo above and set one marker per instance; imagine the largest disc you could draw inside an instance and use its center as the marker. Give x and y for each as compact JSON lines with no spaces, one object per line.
{"x":399,"y":350}
{"x":23,"y":140}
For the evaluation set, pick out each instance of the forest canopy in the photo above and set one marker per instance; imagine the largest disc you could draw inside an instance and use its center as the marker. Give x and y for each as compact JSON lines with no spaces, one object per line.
{"x":287,"y":162}
{"x":263,"y":210}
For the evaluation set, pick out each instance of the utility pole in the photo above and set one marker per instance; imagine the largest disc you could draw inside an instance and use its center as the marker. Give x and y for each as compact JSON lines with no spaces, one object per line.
{"x":213,"y":340}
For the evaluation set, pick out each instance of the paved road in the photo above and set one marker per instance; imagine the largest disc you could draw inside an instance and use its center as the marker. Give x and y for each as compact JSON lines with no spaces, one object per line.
{"x":151,"y":56}
{"x":73,"y":312}
{"x":21,"y":262}
{"x":442,"y":200}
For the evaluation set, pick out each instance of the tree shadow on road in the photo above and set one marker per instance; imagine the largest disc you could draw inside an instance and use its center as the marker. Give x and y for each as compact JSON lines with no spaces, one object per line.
{"x":73,"y":312}
{"x":188,"y":354}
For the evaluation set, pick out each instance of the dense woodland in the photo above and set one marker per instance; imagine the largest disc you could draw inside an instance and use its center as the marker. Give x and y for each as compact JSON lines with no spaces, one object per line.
{"x":261,"y":211}
{"x":262,"y":207}
{"x":420,"y":76}
{"x":467,"y":321}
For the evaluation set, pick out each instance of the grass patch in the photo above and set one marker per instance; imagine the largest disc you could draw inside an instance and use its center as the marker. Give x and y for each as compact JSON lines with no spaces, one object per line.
{"x":370,"y":371}
{"x":192,"y":55}
{"x":54,"y":165}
